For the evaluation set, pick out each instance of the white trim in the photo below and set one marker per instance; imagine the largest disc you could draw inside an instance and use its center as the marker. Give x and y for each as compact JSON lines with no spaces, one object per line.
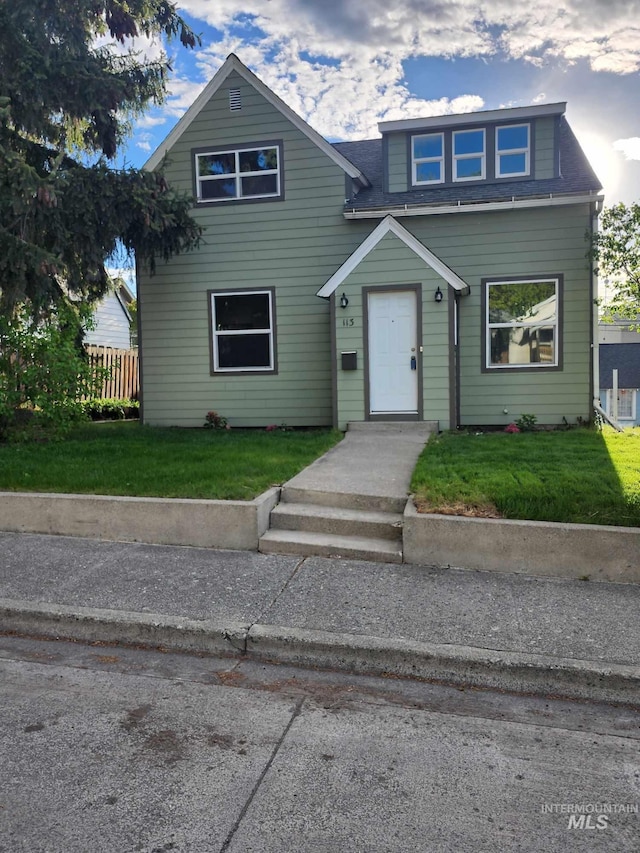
{"x":390,"y":225}
{"x":471,"y":207}
{"x":418,"y":161}
{"x":507,"y":115}
{"x":232,"y":63}
{"x":240,"y":332}
{"x":609,"y":401}
{"x":505,"y":152}
{"x":522,"y":324}
{"x":472,"y":155}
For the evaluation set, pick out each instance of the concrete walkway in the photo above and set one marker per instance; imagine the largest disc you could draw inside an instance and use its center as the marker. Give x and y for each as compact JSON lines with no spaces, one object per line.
{"x":373,"y":461}
{"x":479,"y":629}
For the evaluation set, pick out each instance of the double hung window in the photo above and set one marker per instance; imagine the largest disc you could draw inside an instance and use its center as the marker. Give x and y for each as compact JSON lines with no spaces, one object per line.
{"x":469,"y":160}
{"x":427,"y":157}
{"x":512,"y":151}
{"x":239,"y":173}
{"x":242,"y":331}
{"x":522,"y":323}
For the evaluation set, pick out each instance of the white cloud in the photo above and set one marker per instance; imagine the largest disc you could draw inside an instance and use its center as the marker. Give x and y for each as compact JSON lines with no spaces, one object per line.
{"x":144,"y":145}
{"x":629,"y":147}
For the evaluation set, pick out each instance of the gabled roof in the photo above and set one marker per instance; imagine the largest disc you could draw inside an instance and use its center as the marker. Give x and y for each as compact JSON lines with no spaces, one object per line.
{"x":391,"y":226}
{"x":231,"y":64}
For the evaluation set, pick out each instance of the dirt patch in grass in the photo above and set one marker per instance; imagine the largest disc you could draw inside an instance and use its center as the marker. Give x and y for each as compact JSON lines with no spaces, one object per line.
{"x":459,"y":508}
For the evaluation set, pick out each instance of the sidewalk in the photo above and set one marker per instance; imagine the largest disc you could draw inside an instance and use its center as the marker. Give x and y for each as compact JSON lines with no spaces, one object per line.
{"x":479,"y":629}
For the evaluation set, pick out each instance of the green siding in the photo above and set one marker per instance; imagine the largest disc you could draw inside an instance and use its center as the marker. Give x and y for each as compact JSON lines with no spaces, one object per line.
{"x":397,"y":162}
{"x":293,"y":245}
{"x":519,"y":243}
{"x":545,"y":157}
{"x":389,"y":264}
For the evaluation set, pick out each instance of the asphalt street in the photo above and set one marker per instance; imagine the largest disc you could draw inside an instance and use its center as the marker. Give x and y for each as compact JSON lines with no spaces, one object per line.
{"x":114,"y":749}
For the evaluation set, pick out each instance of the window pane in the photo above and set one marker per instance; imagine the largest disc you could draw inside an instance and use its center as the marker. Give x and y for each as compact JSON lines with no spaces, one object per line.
{"x":259,"y":185}
{"x":523,"y":345}
{"x":469,"y":168}
{"x":513,"y":137}
{"x":222,"y":188}
{"x":243,"y":351}
{"x":522,"y":302}
{"x":242,"y":311}
{"x":511,"y":164}
{"x":427,"y":146}
{"x":469,"y":142}
{"x":255,"y":161}
{"x":216,"y":164}
{"x":625,"y":403}
{"x":428,"y":172}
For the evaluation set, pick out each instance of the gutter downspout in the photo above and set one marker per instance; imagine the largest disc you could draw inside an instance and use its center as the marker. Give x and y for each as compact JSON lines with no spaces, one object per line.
{"x":595,"y":345}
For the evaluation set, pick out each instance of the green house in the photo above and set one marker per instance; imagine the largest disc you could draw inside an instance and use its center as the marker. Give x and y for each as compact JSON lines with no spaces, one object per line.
{"x":437,"y":273}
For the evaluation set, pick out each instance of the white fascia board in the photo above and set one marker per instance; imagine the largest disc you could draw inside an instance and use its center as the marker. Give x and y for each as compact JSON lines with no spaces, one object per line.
{"x":474,"y":207}
{"x":232,"y":63}
{"x":507,"y":115}
{"x":390,"y":225}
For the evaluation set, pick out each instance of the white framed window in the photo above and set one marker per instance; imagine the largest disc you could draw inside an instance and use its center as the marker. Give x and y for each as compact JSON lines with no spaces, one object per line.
{"x":469,"y":158}
{"x":235,"y":174}
{"x":427,"y":159}
{"x":243,"y":331}
{"x":626,"y":403}
{"x":522,"y":323}
{"x":513,"y":151}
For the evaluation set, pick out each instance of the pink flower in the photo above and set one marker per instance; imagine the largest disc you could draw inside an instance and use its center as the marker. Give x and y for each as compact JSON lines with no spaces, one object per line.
{"x":512,"y":428}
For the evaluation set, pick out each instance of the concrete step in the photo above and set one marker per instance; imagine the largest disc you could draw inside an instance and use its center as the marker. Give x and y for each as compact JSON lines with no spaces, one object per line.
{"x":338,"y":521}
{"x":346,"y":500}
{"x":310,"y":544}
{"x":422,"y":427}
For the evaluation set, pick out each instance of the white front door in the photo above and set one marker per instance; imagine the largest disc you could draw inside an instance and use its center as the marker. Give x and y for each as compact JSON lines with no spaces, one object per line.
{"x":393,"y":352}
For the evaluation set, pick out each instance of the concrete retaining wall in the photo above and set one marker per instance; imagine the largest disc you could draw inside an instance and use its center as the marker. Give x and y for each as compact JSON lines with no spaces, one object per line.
{"x":596,"y":552}
{"x":207,"y":524}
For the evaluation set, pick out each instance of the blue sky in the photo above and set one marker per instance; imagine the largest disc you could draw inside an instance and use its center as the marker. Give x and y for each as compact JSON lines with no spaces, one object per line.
{"x":345,"y":65}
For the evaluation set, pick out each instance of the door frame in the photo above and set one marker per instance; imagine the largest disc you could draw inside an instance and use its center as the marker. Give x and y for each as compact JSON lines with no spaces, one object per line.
{"x":386,"y":288}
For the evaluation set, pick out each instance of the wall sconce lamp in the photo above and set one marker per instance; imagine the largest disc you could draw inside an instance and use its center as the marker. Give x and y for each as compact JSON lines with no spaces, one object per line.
{"x":344,"y":301}
{"x":438,"y":295}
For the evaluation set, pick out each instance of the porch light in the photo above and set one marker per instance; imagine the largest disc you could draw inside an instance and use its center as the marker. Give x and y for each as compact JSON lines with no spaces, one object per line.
{"x":438,"y":295}
{"x":344,"y":301}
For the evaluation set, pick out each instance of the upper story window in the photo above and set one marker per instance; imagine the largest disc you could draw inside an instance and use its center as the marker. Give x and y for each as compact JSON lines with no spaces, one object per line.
{"x":427,"y":157}
{"x":522,"y":323}
{"x":512,"y":151}
{"x":469,"y":155}
{"x":236,"y":174}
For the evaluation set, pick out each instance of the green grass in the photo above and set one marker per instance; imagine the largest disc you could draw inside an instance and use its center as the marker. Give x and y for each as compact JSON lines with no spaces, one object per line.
{"x":130,"y":459}
{"x":581,"y":475}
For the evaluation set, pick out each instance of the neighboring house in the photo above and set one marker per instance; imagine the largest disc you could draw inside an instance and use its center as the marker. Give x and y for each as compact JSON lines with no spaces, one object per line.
{"x":438,"y":273}
{"x":112,"y":319}
{"x":620,"y":350}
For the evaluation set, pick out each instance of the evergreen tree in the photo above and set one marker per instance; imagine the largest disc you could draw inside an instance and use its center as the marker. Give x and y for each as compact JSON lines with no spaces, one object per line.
{"x":69,"y":89}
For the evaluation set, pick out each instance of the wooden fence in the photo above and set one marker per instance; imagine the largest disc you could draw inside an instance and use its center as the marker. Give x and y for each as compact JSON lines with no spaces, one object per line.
{"x":124,"y":382}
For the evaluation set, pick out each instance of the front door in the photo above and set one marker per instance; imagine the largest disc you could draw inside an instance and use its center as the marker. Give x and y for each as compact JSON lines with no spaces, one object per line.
{"x":393,"y":352}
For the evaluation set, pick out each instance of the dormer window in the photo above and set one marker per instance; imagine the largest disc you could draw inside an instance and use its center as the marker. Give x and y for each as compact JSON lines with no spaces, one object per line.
{"x":427,"y":156}
{"x":513,"y":151}
{"x":469,"y":160}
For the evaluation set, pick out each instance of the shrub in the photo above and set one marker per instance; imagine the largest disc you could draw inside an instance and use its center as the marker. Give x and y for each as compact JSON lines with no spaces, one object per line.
{"x":526,"y":423}
{"x":213,"y":420}
{"x":512,"y":428}
{"x":44,"y":371}
{"x":111,"y":409}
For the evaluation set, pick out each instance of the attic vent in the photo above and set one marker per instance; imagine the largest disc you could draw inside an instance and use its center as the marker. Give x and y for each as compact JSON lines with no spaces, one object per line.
{"x":235,"y":102}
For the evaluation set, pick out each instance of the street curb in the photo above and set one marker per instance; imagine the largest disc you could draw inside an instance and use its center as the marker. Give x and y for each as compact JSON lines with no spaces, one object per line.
{"x":465,"y":666}
{"x":88,"y":624}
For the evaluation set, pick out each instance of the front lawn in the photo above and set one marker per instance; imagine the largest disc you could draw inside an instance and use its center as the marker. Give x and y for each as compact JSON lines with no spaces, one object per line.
{"x":579,"y":475}
{"x":130,"y":459}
